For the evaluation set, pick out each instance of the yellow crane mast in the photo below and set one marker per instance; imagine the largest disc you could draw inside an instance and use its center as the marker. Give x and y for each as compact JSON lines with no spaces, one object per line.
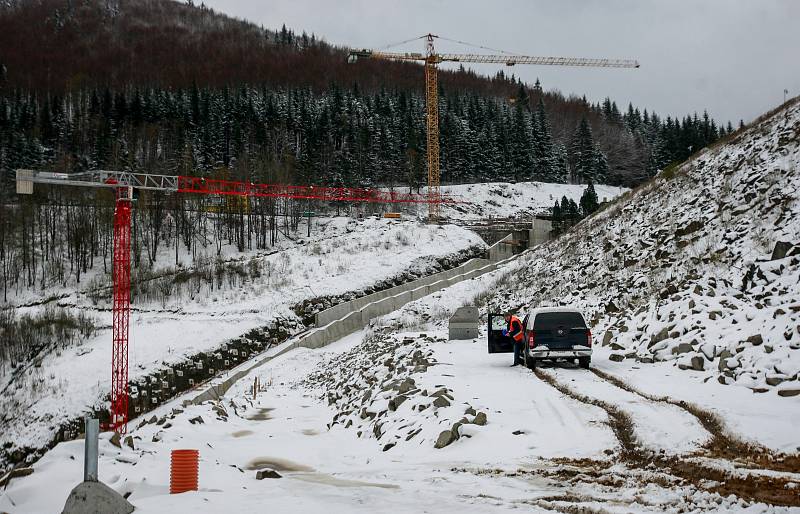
{"x":431,"y":60}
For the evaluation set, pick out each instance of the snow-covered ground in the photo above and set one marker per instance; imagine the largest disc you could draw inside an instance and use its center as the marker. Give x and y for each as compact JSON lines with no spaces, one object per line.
{"x":521,"y":443}
{"x":505,"y":200}
{"x":684,"y":409}
{"x":358,"y":255}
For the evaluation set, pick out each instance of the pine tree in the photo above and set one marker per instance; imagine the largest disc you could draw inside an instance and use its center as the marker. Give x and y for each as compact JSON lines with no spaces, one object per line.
{"x":545,"y":158}
{"x":600,"y":172}
{"x":556,"y":218}
{"x":589,"y":202}
{"x":583,"y":155}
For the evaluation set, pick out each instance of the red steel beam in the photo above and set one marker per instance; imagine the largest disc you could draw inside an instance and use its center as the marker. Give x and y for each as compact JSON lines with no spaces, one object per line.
{"x":202,"y":185}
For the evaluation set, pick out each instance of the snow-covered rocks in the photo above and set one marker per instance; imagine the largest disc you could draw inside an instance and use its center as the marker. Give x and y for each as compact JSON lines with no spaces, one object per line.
{"x":376,"y":389}
{"x":700,"y":267}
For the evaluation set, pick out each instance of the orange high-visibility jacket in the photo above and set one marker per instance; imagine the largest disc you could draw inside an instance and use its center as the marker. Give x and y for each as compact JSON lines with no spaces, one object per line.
{"x":515,"y":329}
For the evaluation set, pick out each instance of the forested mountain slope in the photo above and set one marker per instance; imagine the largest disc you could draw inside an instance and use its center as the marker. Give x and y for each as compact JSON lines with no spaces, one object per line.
{"x":171,"y":87}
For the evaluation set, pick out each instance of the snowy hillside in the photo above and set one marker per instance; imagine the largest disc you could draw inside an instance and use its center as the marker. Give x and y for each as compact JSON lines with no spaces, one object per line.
{"x":521,"y":199}
{"x":347,"y":258}
{"x":700,"y":268}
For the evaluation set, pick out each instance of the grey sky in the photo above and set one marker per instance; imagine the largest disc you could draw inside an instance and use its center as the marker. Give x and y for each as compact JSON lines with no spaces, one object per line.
{"x":733,"y":57}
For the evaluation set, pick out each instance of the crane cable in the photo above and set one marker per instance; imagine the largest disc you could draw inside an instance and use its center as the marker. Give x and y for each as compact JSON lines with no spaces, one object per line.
{"x":402,"y":42}
{"x":465,"y":43}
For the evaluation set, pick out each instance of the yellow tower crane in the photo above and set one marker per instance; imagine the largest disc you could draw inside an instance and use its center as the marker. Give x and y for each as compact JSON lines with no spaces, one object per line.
{"x":431,"y":60}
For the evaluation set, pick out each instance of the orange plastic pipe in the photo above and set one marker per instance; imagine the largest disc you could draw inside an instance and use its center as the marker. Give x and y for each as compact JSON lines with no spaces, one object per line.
{"x":183,"y":471}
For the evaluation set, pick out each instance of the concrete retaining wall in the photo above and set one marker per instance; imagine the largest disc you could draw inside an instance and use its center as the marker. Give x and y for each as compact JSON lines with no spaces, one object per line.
{"x":502,"y":249}
{"x":497,"y":252}
{"x":356,"y":314}
{"x":337,"y":311}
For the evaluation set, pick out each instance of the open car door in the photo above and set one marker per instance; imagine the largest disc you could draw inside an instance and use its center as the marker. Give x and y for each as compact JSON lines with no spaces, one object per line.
{"x":498,"y":343}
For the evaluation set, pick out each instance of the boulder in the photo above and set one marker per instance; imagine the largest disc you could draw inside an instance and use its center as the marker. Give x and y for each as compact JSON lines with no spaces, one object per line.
{"x":774,"y":380}
{"x":607,"y":337}
{"x":95,"y":498}
{"x":441,"y":401}
{"x":755,"y":340}
{"x":698,"y":363}
{"x":470,"y":411}
{"x":726,"y":362}
{"x":14,"y":473}
{"x":709,"y":351}
{"x":480,"y":419}
{"x":692,"y":227}
{"x":396,"y":402}
{"x":406,"y":385}
{"x":662,"y":335}
{"x":786,"y":393}
{"x":444,"y":439}
{"x":616,"y":357}
{"x":682,"y":348}
{"x":617,"y":347}
{"x":261,"y":474}
{"x":454,"y":430}
{"x":129,"y":442}
{"x":780,"y":250}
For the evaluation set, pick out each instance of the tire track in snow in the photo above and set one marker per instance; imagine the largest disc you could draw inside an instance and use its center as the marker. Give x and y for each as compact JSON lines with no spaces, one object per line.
{"x":660,"y":427}
{"x":620,"y":421}
{"x":773,"y":490}
{"x":723,"y":444}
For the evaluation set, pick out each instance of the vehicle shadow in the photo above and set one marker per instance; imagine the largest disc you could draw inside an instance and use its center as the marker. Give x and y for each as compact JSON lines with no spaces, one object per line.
{"x":559,"y":364}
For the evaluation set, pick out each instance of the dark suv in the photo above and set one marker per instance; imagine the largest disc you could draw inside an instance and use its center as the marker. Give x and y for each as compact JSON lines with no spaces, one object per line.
{"x":549,"y":334}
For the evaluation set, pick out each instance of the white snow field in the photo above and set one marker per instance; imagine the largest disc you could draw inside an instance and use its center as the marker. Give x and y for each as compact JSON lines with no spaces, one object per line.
{"x":505,"y":200}
{"x":347,"y":256}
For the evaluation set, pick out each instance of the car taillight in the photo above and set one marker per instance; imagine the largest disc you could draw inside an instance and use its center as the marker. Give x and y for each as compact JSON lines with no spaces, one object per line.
{"x":531,"y":339}
{"x":589,"y":338}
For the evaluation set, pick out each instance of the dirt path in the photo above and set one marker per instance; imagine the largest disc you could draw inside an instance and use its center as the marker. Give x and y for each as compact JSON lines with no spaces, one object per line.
{"x":690,"y":468}
{"x":723,"y":444}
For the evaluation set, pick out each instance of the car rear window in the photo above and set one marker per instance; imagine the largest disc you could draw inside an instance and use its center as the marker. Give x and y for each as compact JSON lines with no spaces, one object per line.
{"x":551,"y":320}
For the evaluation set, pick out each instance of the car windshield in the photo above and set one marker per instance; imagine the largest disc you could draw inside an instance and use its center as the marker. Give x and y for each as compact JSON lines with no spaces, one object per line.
{"x":551,"y":320}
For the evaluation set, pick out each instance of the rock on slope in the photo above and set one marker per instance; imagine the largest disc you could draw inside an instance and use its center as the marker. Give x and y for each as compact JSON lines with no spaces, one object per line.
{"x":701,"y":266}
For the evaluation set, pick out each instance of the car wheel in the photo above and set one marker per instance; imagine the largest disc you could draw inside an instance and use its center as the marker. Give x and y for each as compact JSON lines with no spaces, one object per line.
{"x":584,"y":362}
{"x":530,"y":362}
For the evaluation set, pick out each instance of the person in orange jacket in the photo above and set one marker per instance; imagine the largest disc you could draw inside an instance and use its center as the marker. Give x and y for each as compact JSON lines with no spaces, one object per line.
{"x":514,"y":331}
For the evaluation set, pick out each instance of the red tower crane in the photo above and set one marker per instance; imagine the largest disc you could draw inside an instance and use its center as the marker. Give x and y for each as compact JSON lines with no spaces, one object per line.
{"x":123,"y":184}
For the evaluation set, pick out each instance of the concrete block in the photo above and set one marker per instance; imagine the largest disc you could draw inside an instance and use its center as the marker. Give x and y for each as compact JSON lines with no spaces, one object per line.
{"x":96,"y":498}
{"x":464,"y":323}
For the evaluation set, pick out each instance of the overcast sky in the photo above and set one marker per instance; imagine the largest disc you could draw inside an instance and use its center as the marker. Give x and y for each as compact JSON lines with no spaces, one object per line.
{"x":732,"y":57}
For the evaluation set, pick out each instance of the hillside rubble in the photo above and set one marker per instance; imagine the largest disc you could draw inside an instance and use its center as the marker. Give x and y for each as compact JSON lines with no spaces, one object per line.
{"x":701,"y":267}
{"x":390,"y":401}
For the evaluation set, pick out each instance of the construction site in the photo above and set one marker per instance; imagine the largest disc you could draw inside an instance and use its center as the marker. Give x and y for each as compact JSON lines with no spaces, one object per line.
{"x":194,"y":338}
